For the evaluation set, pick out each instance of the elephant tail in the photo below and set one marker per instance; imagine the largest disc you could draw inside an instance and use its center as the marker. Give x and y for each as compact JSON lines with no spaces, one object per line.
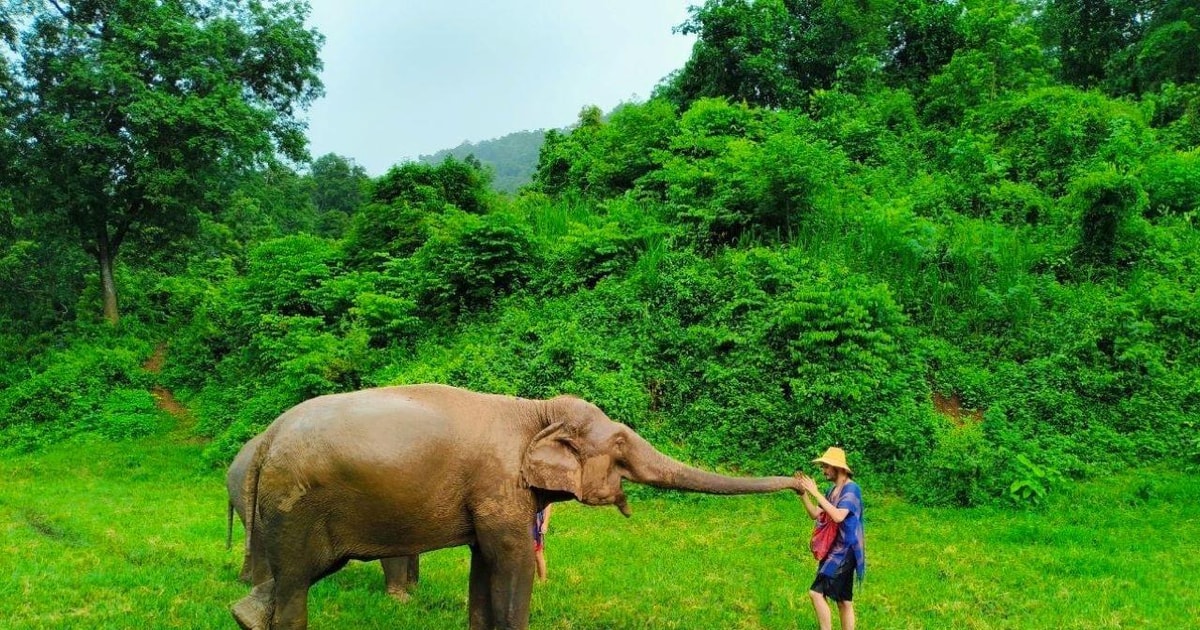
{"x":250,"y":496}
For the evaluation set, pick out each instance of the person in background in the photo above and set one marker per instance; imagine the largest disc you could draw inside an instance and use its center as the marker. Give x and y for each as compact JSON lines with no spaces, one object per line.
{"x":842,"y":507}
{"x":541,"y":521}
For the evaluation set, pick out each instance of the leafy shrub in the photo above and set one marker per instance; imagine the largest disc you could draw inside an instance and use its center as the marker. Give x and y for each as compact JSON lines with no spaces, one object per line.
{"x":962,"y":470}
{"x":97,"y":387}
{"x":129,"y":413}
{"x":1045,"y":136}
{"x":1109,"y":207}
{"x":999,"y":54}
{"x":469,"y":262}
{"x":380,"y":232}
{"x":728,"y":175}
{"x":1172,"y":183}
{"x":283,"y":275}
{"x":1175,"y":110}
{"x":307,"y":358}
{"x":624,"y":148}
{"x":584,"y":256}
{"x":1034,"y":482}
{"x":386,"y":318}
{"x":462,"y":184}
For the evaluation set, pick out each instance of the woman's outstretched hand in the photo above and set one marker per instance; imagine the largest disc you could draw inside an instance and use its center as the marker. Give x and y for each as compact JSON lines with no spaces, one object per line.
{"x":807,"y":484}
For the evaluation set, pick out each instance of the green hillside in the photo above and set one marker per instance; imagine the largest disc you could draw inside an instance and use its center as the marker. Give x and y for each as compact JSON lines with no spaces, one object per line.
{"x":954,"y":245}
{"x":512,"y":158}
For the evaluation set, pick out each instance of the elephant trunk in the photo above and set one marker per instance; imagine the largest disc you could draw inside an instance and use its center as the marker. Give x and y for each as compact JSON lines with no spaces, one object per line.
{"x":650,"y":467}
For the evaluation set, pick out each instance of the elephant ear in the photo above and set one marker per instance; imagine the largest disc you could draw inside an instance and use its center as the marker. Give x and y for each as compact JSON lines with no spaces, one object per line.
{"x":551,"y":462}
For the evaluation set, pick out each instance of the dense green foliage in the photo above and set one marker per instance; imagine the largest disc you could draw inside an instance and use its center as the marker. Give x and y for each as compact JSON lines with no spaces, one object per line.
{"x":831,"y":222}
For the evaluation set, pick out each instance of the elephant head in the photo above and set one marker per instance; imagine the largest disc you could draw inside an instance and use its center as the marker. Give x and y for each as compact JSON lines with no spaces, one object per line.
{"x":585,"y":454}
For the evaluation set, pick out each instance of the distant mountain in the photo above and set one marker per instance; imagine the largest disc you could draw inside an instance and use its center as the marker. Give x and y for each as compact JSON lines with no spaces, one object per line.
{"x":513,"y":158}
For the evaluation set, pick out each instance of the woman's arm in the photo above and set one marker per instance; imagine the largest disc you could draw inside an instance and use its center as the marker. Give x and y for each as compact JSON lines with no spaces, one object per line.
{"x":835,"y":513}
{"x":813,"y":510}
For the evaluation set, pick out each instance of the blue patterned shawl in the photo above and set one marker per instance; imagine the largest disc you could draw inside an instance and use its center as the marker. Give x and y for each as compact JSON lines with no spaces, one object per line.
{"x":850,"y":533}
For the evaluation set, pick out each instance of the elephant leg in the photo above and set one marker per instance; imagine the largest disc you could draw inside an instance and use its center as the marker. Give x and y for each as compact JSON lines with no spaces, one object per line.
{"x":253,"y":612}
{"x":401,"y":575}
{"x":479,"y":599}
{"x":414,"y":569}
{"x":291,"y":603}
{"x":291,"y":592}
{"x":254,"y":565}
{"x":302,"y":556}
{"x":508,"y":554}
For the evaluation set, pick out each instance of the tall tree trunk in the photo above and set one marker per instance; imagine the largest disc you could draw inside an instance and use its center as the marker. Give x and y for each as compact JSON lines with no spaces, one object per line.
{"x":105,"y":255}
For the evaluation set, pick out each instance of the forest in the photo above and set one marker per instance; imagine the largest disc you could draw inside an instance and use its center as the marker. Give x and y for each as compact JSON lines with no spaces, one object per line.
{"x":958,"y":238}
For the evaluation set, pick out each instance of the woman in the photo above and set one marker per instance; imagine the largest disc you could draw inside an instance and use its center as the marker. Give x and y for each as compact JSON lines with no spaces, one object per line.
{"x":541,"y":521}
{"x":842,"y":508}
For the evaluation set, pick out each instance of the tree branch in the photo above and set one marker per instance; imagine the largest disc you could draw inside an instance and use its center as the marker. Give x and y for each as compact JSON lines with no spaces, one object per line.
{"x":70,"y":17}
{"x":123,"y":227}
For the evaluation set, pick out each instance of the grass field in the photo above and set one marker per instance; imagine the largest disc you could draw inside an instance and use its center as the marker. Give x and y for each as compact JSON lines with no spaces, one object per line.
{"x":132,"y":536}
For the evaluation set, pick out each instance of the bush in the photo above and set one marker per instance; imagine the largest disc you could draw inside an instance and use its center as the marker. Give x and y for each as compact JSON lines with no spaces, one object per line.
{"x":470,"y":262}
{"x":283,"y":276}
{"x":381,"y":232}
{"x":386,"y":319}
{"x":1109,"y":208}
{"x":1045,"y":136}
{"x":963,"y":470}
{"x":95,"y":387}
{"x":1172,"y":183}
{"x":130,"y":413}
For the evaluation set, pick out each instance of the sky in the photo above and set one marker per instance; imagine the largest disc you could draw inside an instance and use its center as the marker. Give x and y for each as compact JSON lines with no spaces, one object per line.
{"x":405,"y":78}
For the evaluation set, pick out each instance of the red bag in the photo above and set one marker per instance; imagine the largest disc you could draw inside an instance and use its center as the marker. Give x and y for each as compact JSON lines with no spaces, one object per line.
{"x":823,"y":536}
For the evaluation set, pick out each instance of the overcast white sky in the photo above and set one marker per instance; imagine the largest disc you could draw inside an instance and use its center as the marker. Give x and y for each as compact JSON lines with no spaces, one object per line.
{"x":405,"y":78}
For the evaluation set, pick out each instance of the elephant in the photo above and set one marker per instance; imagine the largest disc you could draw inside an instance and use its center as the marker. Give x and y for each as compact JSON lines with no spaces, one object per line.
{"x":400,"y":573}
{"x":402,"y":470}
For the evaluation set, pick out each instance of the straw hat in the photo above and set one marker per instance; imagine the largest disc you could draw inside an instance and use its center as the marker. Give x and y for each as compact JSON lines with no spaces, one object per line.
{"x":835,"y":457}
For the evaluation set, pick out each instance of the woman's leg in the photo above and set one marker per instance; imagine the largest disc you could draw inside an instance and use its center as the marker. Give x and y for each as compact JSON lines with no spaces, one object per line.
{"x":846,"y":611}
{"x":824,"y":615}
{"x":540,"y":557}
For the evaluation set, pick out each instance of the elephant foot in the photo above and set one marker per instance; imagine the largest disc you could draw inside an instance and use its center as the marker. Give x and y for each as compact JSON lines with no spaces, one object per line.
{"x":251,"y":613}
{"x":399,"y":594}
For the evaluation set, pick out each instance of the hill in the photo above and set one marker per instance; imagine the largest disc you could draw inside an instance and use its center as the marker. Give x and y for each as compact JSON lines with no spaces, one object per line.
{"x":513,"y":158}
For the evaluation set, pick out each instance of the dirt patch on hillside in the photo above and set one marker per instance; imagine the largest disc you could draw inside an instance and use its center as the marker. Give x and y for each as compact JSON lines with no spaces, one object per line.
{"x":166,"y":401}
{"x":163,"y":396}
{"x":952,"y":408}
{"x":154,"y":364}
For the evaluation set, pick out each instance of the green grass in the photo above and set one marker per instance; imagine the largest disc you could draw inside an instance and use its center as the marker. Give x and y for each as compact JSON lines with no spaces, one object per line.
{"x":132,"y":535}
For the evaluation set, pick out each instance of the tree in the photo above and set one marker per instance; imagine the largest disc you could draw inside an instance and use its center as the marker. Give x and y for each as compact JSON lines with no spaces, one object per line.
{"x":130,"y":113}
{"x":1124,"y":46}
{"x":922,"y":38}
{"x":1086,"y":34}
{"x":464,"y":184}
{"x":337,"y":192}
{"x":8,"y":35}
{"x":773,"y":53}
